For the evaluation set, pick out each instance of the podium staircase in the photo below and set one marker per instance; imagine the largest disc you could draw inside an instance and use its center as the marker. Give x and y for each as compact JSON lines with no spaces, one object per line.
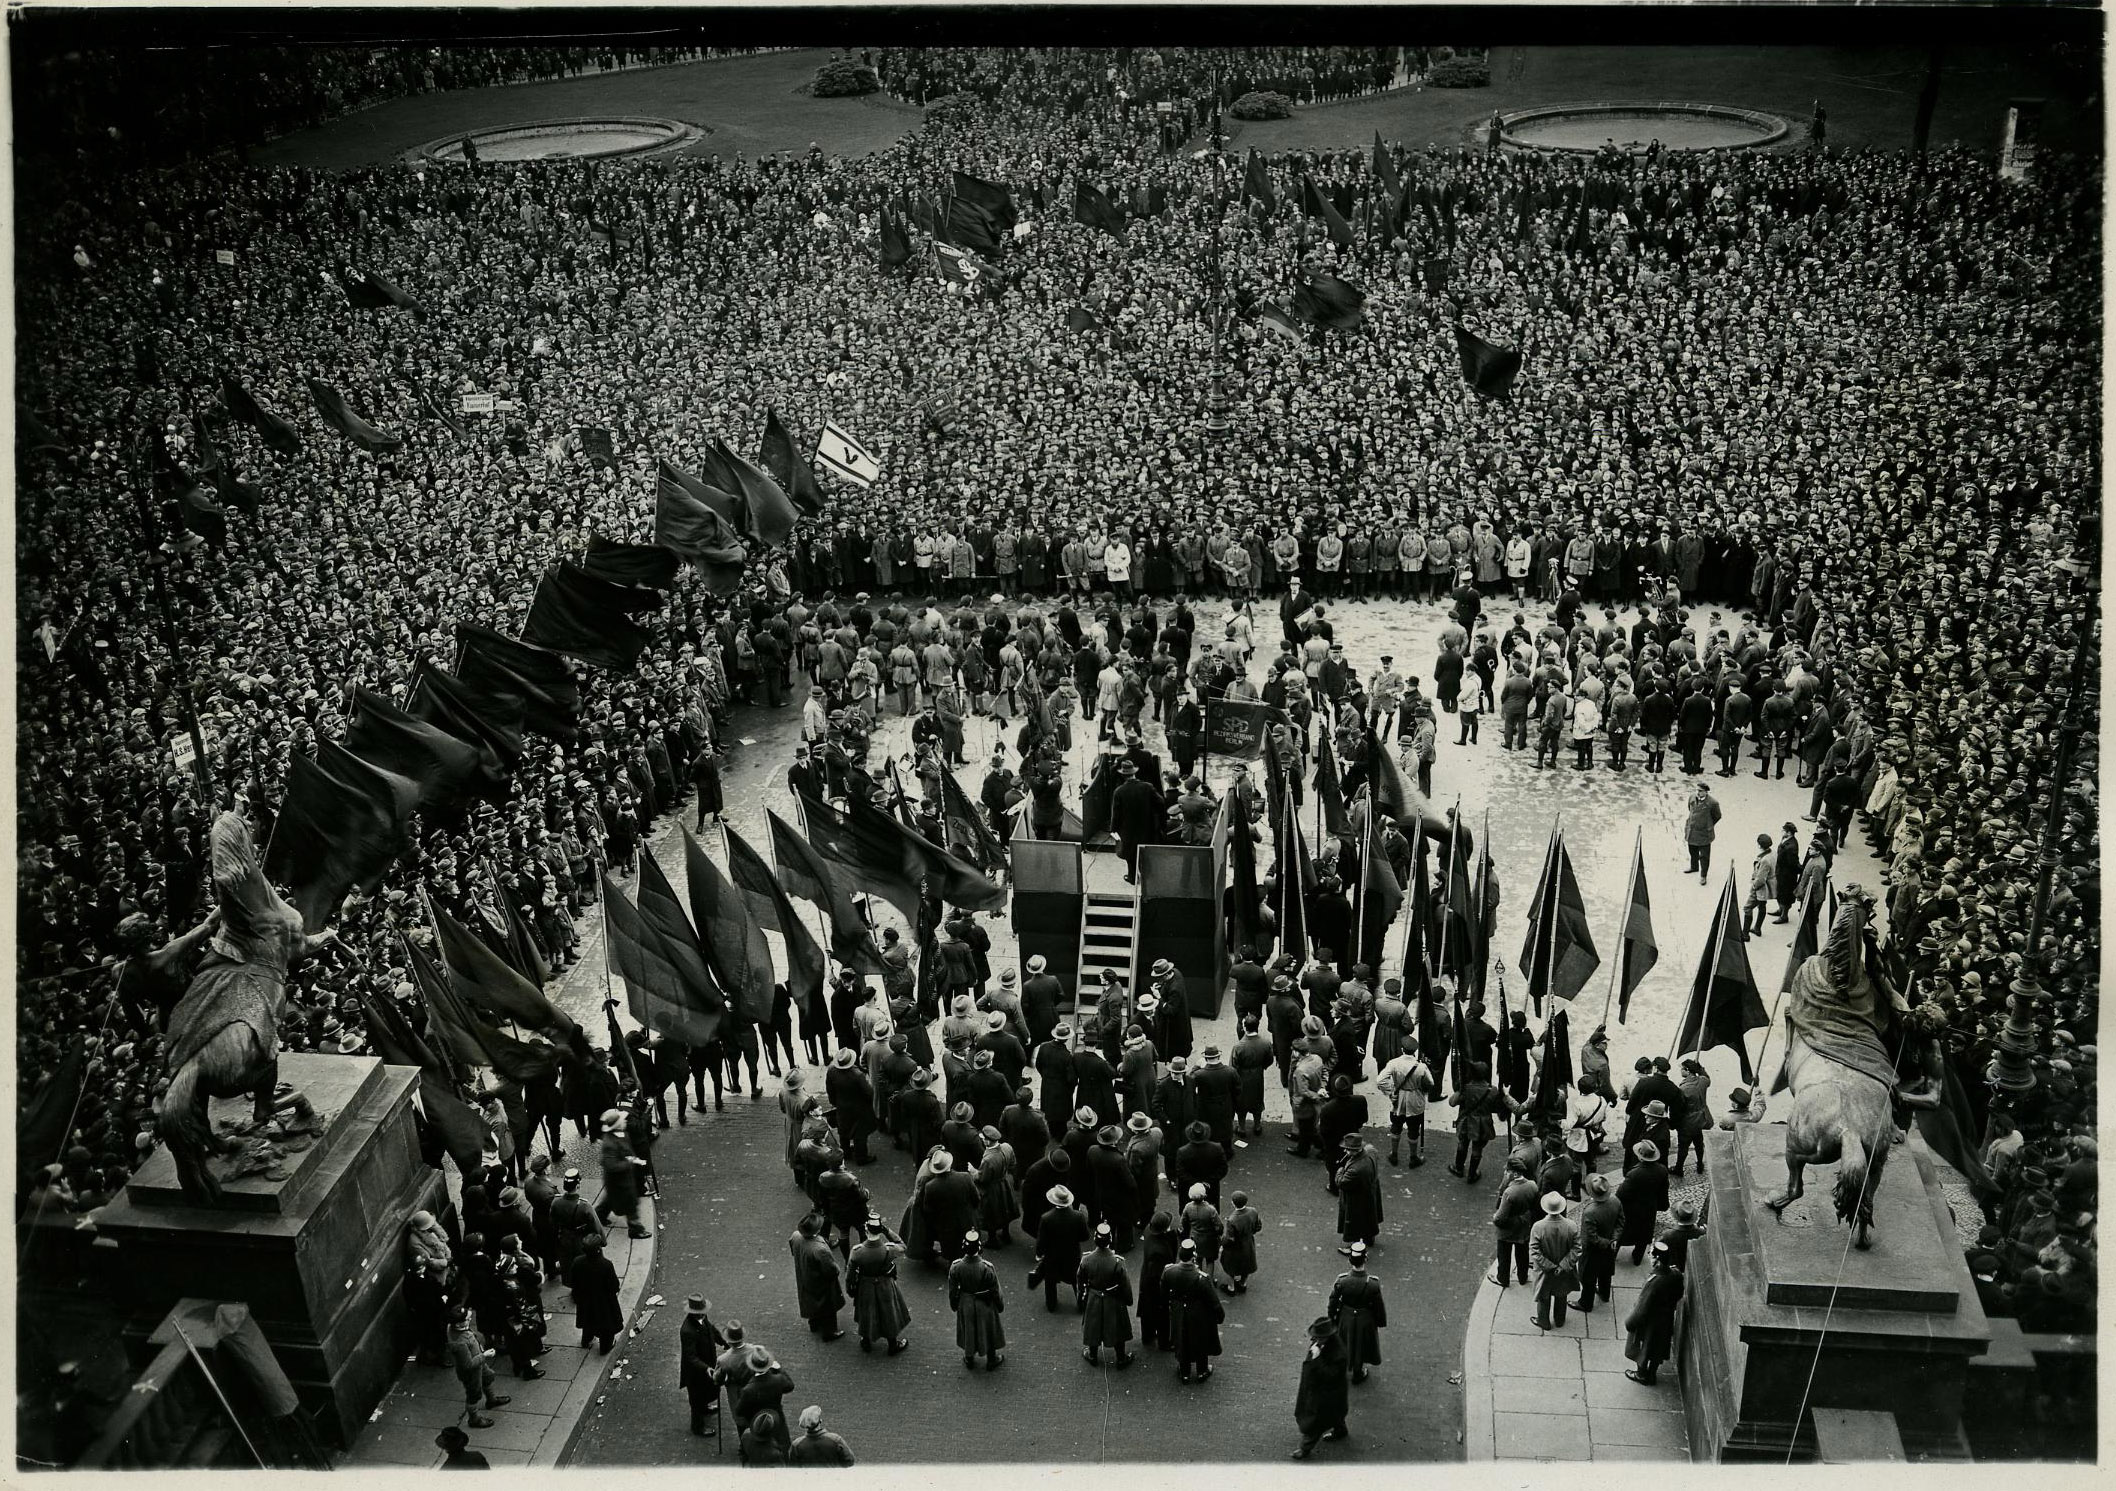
{"x":1109,"y":936}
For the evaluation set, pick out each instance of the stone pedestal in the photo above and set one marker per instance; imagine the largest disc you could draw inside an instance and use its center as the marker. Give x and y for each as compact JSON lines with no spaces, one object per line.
{"x":1781,"y":1312}
{"x":316,"y":1255}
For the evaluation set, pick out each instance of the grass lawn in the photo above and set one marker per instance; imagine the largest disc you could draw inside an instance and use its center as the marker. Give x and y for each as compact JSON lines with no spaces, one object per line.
{"x":748,"y":103}
{"x":1870,"y":94}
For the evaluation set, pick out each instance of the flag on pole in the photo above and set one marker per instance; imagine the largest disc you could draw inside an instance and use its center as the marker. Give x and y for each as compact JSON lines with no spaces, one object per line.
{"x":576,"y":614}
{"x":1559,"y":956}
{"x":1241,"y":868}
{"x":1331,"y":302}
{"x":1385,"y":169}
{"x":782,"y":458}
{"x":484,"y":981}
{"x":278,"y":436}
{"x":1256,"y":182}
{"x":657,"y":992}
{"x":342,"y":417}
{"x":841,"y":455}
{"x":1807,"y":938}
{"x":1315,"y":204}
{"x":1329,"y":791}
{"x":814,"y":879}
{"x":502,"y":665}
{"x":1296,"y":877}
{"x":734,"y":944}
{"x":1487,"y":367}
{"x":770,"y":909}
{"x":1724,"y":1004}
{"x":1380,"y":897}
{"x":1273,"y":318}
{"x":1637,"y":948}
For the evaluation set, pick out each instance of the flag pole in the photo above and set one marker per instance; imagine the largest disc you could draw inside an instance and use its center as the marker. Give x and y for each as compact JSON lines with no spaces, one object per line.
{"x":1813,"y":903}
{"x":1623,"y":953}
{"x":1359,"y":892}
{"x":609,"y":1000}
{"x":1711,"y":969}
{"x":1447,"y":899}
{"x":1480,"y":889}
{"x":1550,"y":909}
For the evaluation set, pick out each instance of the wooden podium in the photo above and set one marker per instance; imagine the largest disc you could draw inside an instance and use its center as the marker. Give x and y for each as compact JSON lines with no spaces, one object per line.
{"x":317,"y":1256}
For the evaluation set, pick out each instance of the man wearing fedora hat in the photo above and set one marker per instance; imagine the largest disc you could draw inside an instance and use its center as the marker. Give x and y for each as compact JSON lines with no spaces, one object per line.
{"x":1643,"y":1193}
{"x":621,"y":1170}
{"x":1137,"y":813}
{"x":851,"y":1097}
{"x":1324,"y":1398}
{"x":1108,"y":1179}
{"x":1061,"y":1234}
{"x":455,"y":1444}
{"x":698,"y":1343}
{"x":1554,"y":1251}
{"x":1040,"y":994}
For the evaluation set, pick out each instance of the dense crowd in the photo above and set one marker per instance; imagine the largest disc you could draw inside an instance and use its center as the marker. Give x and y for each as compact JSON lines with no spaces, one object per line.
{"x":1852,"y":393}
{"x":108,"y":107}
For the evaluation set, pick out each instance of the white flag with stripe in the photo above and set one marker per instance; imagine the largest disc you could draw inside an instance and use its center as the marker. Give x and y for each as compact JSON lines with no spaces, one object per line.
{"x":841,"y":455}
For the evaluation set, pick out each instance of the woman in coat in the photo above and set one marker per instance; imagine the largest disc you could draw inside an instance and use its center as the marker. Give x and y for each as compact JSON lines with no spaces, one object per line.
{"x":1644,"y":1196}
{"x":973,"y":1294}
{"x":918,"y":1241}
{"x":1649,"y":1329}
{"x":1238,"y":1248}
{"x":1153,"y":1265}
{"x":1358,"y":1193}
{"x":1325,"y":1396}
{"x":795,"y":1103}
{"x":819,"y":1289}
{"x":878,"y":1307}
{"x":594,"y":1285}
{"x":1194,"y":1314}
{"x":998,"y":1198}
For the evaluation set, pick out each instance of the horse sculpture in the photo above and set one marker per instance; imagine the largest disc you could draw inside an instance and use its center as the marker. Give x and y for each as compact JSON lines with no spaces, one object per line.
{"x":1842,"y":1079}
{"x":224,"y":1032}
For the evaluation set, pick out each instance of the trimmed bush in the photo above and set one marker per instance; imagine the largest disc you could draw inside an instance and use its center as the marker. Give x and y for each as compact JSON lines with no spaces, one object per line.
{"x":1461,"y":72}
{"x":843,"y":78}
{"x":1262,"y":105}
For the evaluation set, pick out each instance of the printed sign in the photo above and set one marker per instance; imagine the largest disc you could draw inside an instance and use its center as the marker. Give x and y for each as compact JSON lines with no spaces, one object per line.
{"x":479,"y":403}
{"x":224,"y":256}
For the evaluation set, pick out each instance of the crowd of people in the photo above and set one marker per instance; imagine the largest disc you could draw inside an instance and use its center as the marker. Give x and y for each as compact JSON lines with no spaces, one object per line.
{"x":1854,"y":396}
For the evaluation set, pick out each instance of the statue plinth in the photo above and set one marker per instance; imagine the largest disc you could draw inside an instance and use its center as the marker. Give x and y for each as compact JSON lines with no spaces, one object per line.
{"x":1783,"y":1311}
{"x":316,"y":1252}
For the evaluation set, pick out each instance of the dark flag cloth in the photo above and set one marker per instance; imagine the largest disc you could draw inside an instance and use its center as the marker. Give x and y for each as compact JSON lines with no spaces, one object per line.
{"x":234,"y":491}
{"x":1095,"y":803}
{"x":598,"y":445}
{"x":339,"y":416}
{"x":1380,"y":896}
{"x":277,"y":434}
{"x":1385,"y":779}
{"x":810,"y":876}
{"x":1315,"y":204}
{"x":1331,"y":302}
{"x":1329,"y":791}
{"x":1080,"y":318}
{"x":770,"y":909}
{"x":681,"y":943}
{"x":523,"y":952}
{"x":714,"y":485}
{"x":391,"y":1035}
{"x":1807,"y":938}
{"x":500,"y":664}
{"x":443,"y":766}
{"x":203,"y":516}
{"x":146,"y":364}
{"x":474,"y":1039}
{"x":650,"y":565}
{"x":1296,"y":877}
{"x":1256,"y":183}
{"x":439,"y":412}
{"x":34,"y":432}
{"x":995,"y":201}
{"x":590,"y":619}
{"x":1554,"y":1075}
{"x":489,"y":719}
{"x":896,"y":248}
{"x":1274,"y":318}
{"x":43,"y":1128}
{"x":481,"y":978}
{"x":685,"y":523}
{"x":1385,"y":169}
{"x":371,"y":292}
{"x":1433,"y":270}
{"x":462,"y":1130}
{"x":1448,"y":940}
{"x":1724,"y":1004}
{"x":970,"y":226}
{"x":733,"y":941}
{"x":770,"y":513}
{"x":1559,"y":955}
{"x":1638,"y":949}
{"x":781,"y":455}
{"x":1238,"y":728}
{"x":659,"y":995}
{"x":1420,"y":892}
{"x":341,"y":826}
{"x":967,"y":830}
{"x":1486,"y":367}
{"x":890,"y":861}
{"x":1243,"y":907}
{"x":1484,"y":923}
{"x":1092,"y":206}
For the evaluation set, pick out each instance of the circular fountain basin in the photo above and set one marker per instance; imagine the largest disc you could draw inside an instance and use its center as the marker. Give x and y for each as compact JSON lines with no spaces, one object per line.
{"x":562,"y":139}
{"x":1586,"y":128}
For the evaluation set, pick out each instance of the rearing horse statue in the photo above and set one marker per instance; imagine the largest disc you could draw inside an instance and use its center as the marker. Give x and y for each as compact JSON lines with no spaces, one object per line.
{"x":1842,"y":1079}
{"x":224,"y":1032}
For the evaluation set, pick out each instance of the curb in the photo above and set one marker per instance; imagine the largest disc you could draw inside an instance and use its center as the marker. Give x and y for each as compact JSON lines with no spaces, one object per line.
{"x":1478,"y":1441}
{"x":572,"y":1413}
